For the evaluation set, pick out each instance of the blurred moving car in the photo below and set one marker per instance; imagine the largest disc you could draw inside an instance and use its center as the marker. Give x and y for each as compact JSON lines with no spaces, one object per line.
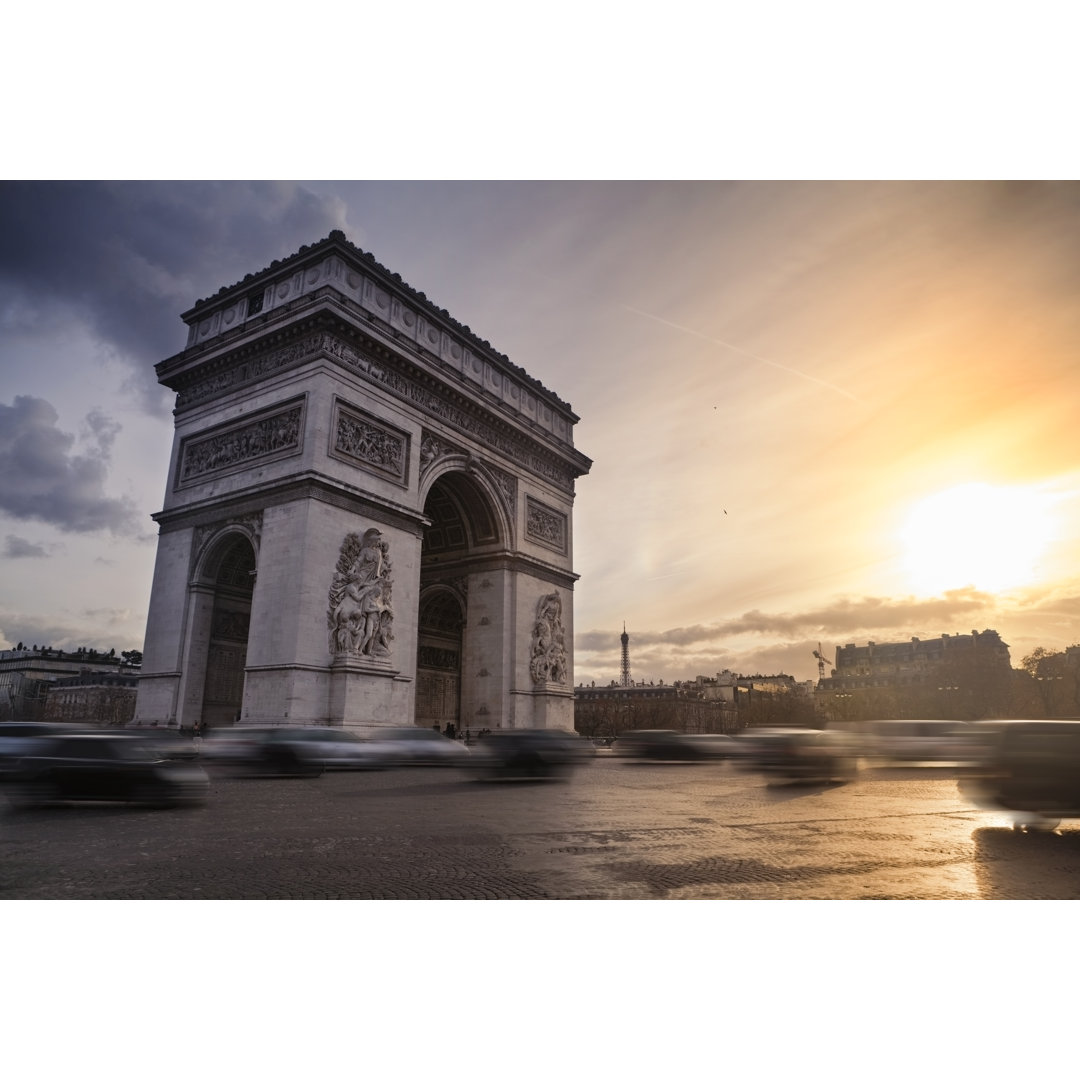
{"x":166,"y":741}
{"x":103,"y":767}
{"x":423,"y":746}
{"x":798,"y":753}
{"x":1028,"y":767}
{"x":660,"y":744}
{"x":530,"y":752}
{"x":19,"y":738}
{"x":288,"y":750}
{"x":919,"y":741}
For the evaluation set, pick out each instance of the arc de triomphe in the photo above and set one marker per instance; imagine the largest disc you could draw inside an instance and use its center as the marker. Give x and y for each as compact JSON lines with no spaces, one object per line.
{"x":367,"y":518}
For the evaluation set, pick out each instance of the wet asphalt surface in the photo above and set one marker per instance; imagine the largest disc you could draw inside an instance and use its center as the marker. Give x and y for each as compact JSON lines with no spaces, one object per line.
{"x":612,"y":830}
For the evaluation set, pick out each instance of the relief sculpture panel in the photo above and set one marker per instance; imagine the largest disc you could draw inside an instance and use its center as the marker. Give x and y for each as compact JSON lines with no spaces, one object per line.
{"x":548,"y":659}
{"x":360,"y":615}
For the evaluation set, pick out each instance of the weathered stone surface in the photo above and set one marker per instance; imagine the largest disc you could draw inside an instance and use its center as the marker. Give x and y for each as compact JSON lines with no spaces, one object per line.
{"x":323,"y":399}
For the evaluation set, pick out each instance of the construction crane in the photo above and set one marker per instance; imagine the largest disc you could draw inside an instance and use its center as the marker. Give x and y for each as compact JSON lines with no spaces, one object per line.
{"x":820,"y":661}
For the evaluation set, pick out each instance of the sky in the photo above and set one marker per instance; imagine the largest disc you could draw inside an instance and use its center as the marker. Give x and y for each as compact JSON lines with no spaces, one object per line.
{"x":818,"y":412}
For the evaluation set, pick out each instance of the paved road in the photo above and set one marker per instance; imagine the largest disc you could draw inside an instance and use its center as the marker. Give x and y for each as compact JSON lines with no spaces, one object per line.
{"x":614,"y":830}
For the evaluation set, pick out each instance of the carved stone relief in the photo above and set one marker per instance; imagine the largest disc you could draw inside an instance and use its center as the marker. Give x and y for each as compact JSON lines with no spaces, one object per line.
{"x":432,"y":448}
{"x":548,"y":657}
{"x":545,"y":525}
{"x":360,"y":615}
{"x":372,"y":445}
{"x":507,"y":486}
{"x":420,"y":396}
{"x":268,"y":436}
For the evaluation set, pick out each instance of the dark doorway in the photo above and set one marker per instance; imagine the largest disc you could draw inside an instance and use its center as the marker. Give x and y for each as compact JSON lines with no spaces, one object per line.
{"x":227,"y":649}
{"x":438,"y":660}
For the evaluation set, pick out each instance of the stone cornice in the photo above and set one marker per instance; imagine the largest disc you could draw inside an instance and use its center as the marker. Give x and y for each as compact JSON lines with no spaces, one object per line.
{"x":336,"y":261}
{"x":442,"y":394}
{"x":305,"y":486}
{"x":446,"y":572}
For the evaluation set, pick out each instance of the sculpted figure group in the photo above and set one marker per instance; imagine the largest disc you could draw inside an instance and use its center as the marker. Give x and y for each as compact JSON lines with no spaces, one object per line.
{"x":548,"y":658}
{"x":360,"y":614}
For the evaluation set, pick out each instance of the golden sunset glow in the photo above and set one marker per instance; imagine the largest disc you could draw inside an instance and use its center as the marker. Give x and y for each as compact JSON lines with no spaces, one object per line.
{"x":978,"y":535}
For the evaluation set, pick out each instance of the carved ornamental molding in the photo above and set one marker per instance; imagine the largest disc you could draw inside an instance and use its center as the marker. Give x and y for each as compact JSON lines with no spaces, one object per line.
{"x":433,"y":449}
{"x":270,"y":436}
{"x":362,"y":440}
{"x":420,"y":395}
{"x":545,"y":525}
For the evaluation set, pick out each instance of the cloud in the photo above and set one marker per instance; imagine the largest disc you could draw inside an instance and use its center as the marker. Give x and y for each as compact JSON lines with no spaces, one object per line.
{"x":128,"y":258}
{"x":843,"y":617}
{"x":15,"y":547}
{"x":42,"y":479}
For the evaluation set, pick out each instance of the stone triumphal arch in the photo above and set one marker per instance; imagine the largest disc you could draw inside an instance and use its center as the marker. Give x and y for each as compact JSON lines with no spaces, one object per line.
{"x":367,"y":518}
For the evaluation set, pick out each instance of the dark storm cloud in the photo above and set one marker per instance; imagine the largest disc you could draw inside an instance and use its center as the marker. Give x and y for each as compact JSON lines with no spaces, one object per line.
{"x":15,"y":547}
{"x":43,"y":479}
{"x":128,"y":258}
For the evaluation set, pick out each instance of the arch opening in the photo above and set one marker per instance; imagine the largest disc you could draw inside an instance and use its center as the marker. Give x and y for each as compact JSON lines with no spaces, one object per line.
{"x":232,"y":573}
{"x":464,"y":523}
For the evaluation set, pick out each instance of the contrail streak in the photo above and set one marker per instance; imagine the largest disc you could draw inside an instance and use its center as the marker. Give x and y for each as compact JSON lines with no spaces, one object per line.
{"x":744,"y":352}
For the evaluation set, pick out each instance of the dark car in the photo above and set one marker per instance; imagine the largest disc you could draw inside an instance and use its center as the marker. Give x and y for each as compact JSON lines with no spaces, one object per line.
{"x":798,"y":753}
{"x":19,"y":738}
{"x":168,"y":742}
{"x":660,"y":744}
{"x":535,"y":753}
{"x":1028,"y":767}
{"x":100,"y":767}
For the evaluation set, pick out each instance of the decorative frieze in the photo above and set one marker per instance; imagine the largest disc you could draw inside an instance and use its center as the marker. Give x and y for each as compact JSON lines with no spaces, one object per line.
{"x":249,"y":370}
{"x":518,"y":449}
{"x":432,"y":657}
{"x":361,"y":440}
{"x":272,"y":435}
{"x":230,"y":626}
{"x":545,"y":525}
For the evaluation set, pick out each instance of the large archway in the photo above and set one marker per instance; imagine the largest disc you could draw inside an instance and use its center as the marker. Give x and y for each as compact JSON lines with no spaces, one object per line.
{"x":465,"y":528}
{"x":232,"y":571}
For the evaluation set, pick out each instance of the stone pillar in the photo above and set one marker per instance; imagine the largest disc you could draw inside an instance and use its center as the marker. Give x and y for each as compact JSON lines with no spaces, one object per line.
{"x":194,"y":656}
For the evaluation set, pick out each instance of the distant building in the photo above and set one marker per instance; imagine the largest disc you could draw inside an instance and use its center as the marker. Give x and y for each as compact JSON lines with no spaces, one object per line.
{"x":914,"y":662}
{"x":634,"y":692}
{"x":27,"y":676}
{"x":954,"y":676}
{"x":100,"y":698}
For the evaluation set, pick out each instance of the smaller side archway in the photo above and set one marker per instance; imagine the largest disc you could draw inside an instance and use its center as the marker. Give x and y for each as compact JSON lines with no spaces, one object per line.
{"x":218,"y":628}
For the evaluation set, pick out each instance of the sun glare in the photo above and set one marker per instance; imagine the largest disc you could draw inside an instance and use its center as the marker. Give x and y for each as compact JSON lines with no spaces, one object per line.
{"x":987,"y":537}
